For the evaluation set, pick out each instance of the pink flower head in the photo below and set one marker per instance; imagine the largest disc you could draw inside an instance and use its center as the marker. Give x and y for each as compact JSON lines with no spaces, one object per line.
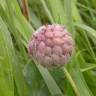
{"x":51,"y":45}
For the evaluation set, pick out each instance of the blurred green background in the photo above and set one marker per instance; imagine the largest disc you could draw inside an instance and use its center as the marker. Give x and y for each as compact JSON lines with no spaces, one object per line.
{"x":20,"y":75}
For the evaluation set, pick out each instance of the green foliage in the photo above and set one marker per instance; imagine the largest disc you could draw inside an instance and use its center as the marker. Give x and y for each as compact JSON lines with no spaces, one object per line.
{"x":20,"y":75}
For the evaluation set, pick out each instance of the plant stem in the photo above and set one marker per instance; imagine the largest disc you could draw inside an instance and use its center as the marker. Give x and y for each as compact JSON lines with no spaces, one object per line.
{"x":71,"y":82}
{"x":25,"y":9}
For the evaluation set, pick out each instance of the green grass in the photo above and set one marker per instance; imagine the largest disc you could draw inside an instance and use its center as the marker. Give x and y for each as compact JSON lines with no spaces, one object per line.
{"x":20,"y":75}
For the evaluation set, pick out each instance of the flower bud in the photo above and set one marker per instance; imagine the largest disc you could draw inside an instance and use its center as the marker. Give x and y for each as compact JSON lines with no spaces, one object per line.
{"x":51,"y":45}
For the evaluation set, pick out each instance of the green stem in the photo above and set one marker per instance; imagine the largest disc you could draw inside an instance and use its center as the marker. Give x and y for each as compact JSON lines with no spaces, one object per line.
{"x":88,"y":68}
{"x":71,"y":82}
{"x":25,"y":9}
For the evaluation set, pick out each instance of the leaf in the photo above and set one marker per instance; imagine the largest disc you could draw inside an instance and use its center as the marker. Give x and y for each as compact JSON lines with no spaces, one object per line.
{"x":6,"y":70}
{"x":90,"y":31}
{"x":35,"y":81}
{"x":11,"y":62}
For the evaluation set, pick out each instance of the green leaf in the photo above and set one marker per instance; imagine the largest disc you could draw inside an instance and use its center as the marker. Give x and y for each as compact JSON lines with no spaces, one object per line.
{"x":6,"y":70}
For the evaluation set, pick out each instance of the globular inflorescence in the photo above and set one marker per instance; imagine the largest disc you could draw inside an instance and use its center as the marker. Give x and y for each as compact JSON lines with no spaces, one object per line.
{"x":51,"y":45}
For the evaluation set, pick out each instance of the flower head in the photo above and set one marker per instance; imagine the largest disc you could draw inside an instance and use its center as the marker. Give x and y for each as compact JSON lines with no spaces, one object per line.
{"x":51,"y":45}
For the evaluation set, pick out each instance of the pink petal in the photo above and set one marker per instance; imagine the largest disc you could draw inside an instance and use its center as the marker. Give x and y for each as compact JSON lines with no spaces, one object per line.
{"x":55,"y":59}
{"x":41,"y":47}
{"x":49,"y":34}
{"x":57,"y":50}
{"x":48,"y":51}
{"x":58,"y":41}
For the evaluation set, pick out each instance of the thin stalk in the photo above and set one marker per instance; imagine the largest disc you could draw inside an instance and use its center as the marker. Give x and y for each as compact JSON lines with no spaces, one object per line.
{"x":68,"y":76}
{"x":88,"y":68}
{"x":25,"y":9}
{"x":47,"y":11}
